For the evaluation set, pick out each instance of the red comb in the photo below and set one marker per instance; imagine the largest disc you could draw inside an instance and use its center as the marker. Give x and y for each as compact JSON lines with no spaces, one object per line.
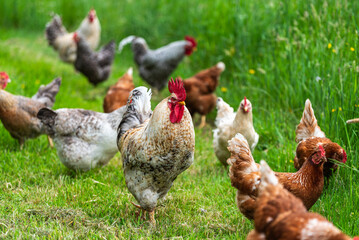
{"x":192,"y":40}
{"x":245,"y":101}
{"x":4,"y":75}
{"x":176,"y":87}
{"x":322,"y":150}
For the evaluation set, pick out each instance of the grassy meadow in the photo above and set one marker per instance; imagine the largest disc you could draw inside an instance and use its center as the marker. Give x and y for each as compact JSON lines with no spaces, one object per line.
{"x":277,"y":53}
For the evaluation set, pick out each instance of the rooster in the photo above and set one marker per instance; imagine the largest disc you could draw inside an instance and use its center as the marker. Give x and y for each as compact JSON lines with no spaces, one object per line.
{"x":18,"y":113}
{"x":309,"y":136}
{"x":118,"y":94}
{"x":62,"y":41}
{"x":155,"y":147}
{"x":96,"y":66}
{"x":155,"y":66}
{"x":200,"y":91}
{"x":84,"y":139}
{"x":282,"y":216}
{"x":229,"y":123}
{"x":306,"y":184}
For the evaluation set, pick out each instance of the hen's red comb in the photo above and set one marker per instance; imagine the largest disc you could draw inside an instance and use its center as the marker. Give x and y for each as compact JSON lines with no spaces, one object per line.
{"x":192,"y":40}
{"x":245,"y":101}
{"x":322,"y":152}
{"x":4,"y":75}
{"x":176,"y":87}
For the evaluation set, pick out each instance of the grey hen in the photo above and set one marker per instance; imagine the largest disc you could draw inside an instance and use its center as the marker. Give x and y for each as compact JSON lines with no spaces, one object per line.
{"x":84,"y":139}
{"x":96,"y":66}
{"x":156,"y":66}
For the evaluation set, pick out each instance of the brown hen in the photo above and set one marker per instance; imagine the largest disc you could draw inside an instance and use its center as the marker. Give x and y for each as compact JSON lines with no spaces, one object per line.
{"x":200,"y":91}
{"x":306,"y":184}
{"x":282,"y":216}
{"x":309,"y":136}
{"x":18,"y":113}
{"x":118,"y":94}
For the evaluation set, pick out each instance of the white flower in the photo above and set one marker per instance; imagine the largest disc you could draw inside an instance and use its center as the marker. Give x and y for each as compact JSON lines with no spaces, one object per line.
{"x":318,"y":78}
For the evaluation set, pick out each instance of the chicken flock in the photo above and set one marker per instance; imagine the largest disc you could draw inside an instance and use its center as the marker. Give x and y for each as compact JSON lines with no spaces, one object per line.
{"x":156,"y":146}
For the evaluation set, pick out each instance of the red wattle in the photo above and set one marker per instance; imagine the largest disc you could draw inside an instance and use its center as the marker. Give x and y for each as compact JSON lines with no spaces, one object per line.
{"x":176,"y":113}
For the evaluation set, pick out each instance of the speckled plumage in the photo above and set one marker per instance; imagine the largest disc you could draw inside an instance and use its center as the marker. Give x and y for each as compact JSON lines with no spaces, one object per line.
{"x":18,"y":113}
{"x":155,"y":153}
{"x":306,"y":184}
{"x":229,"y":123}
{"x":84,"y":139}
{"x":282,"y":216}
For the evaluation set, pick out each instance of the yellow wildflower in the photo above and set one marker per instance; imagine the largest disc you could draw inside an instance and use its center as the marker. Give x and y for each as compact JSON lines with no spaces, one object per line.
{"x":329,"y":45}
{"x":37,"y":81}
{"x":291,"y":161}
{"x":223,"y":89}
{"x":352,"y":49}
{"x":356,"y":105}
{"x":340,"y":108}
{"x":251,"y":71}
{"x":22,"y":86}
{"x":333,"y":110}
{"x":334,"y":51}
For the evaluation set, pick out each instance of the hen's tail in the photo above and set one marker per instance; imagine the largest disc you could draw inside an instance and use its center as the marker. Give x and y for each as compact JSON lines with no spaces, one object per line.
{"x":243,"y":171}
{"x":138,"y":110}
{"x":125,"y":41}
{"x":308,"y":126}
{"x":54,"y":29}
{"x":46,"y":94}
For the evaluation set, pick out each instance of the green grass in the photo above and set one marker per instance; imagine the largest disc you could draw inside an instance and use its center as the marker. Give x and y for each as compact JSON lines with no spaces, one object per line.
{"x":284,"y":42}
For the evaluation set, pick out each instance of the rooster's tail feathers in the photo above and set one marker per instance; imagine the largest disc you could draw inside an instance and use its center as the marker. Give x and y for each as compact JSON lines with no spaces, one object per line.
{"x":46,"y":94}
{"x":125,"y":41}
{"x":308,"y":126}
{"x":138,"y":110}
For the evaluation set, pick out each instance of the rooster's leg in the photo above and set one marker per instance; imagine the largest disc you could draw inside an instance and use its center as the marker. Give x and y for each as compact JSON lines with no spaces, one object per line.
{"x":355,"y":120}
{"x":203,"y":121}
{"x":152,"y":217}
{"x":50,"y":141}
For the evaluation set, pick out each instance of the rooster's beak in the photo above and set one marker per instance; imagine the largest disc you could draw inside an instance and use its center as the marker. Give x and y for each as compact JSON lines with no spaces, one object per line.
{"x":182,"y":103}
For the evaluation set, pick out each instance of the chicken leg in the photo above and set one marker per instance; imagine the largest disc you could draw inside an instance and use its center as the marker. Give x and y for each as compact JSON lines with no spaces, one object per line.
{"x":151,"y":213}
{"x":203,"y":121}
{"x":50,"y":141}
{"x":355,"y":120}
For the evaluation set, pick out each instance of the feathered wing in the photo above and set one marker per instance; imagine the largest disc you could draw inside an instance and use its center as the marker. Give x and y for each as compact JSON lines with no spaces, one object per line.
{"x":308,"y":126}
{"x":224,"y":120}
{"x":54,"y":29}
{"x":138,"y":110}
{"x":244,"y":174}
{"x":46,"y":94}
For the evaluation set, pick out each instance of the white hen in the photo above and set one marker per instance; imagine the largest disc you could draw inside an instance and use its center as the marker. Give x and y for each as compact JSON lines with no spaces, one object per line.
{"x":230,"y":123}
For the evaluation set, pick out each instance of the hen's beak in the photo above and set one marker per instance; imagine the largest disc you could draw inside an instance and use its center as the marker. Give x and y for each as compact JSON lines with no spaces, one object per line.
{"x":182,"y":103}
{"x":246,"y":109}
{"x":9,"y":80}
